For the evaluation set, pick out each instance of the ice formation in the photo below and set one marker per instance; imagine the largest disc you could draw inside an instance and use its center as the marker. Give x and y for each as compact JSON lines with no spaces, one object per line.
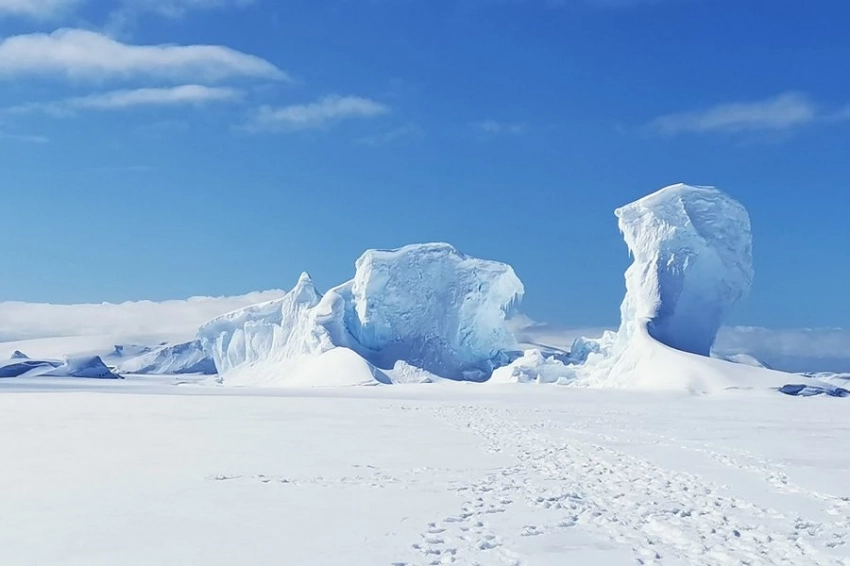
{"x":534,"y":367}
{"x":426,"y":305}
{"x":83,"y":366}
{"x":75,"y":366}
{"x":17,"y":367}
{"x":188,"y":357}
{"x":692,"y":261}
{"x":692,"y":250}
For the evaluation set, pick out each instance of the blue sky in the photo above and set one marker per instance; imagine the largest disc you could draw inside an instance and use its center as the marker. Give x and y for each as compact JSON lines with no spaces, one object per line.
{"x":167,"y":148}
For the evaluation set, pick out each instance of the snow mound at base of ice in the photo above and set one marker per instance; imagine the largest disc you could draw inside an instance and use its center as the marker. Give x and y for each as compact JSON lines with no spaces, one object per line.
{"x":426,"y":306}
{"x":743,"y":359}
{"x":534,"y":367}
{"x":338,"y":367}
{"x":646,"y":363}
{"x":188,"y":357}
{"x":404,"y":373}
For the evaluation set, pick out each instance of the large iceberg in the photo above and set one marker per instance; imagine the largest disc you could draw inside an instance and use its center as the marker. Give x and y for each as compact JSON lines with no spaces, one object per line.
{"x":427,"y":306}
{"x":692,"y":250}
{"x":692,"y":262}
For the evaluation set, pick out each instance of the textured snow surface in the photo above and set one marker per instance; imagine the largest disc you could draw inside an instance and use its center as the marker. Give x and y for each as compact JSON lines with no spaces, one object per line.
{"x":425,"y":305}
{"x":133,"y":473}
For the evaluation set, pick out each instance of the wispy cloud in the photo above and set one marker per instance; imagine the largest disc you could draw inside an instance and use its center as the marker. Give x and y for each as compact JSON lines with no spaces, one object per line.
{"x":24,"y":138}
{"x":323,"y":112}
{"x":780,"y":113}
{"x":41,"y":9}
{"x":842,"y":114}
{"x":129,"y":98}
{"x":488,"y":128}
{"x":390,"y":136}
{"x":179,"y":8}
{"x":83,"y":54}
{"x":126,"y":16}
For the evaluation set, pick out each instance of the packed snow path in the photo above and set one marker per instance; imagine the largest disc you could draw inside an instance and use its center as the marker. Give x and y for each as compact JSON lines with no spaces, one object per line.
{"x":145,"y":471}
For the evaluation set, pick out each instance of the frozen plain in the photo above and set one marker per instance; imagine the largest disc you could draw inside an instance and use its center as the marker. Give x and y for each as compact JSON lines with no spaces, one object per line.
{"x":159,"y":471}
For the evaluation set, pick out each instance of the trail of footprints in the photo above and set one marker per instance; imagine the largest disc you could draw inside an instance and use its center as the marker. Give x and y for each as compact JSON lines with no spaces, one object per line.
{"x":662,"y":515}
{"x":835,"y":534}
{"x":465,"y":537}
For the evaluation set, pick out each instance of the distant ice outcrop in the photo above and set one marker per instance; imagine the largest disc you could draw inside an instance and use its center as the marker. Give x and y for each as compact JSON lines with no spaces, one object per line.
{"x":79,"y":366}
{"x":17,"y":367}
{"x":426,"y":305}
{"x":83,"y":366}
{"x":18,"y":355}
{"x":188,"y":357}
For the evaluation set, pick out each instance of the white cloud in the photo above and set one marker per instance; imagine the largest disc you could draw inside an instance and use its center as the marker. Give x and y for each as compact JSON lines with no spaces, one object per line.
{"x":494,"y":127}
{"x":35,"y":8}
{"x":317,"y":114}
{"x":83,"y":54}
{"x":129,"y":98}
{"x":780,"y":113}
{"x":169,"y":96}
{"x":24,"y":321}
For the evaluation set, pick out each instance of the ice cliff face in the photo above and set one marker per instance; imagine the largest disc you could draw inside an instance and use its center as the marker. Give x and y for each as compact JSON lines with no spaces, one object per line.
{"x":432,"y":307}
{"x":426,"y":305}
{"x":692,"y":250}
{"x":266,"y":333}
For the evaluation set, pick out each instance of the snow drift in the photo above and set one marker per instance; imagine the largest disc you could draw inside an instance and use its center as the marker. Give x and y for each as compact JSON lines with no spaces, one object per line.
{"x":426,"y":305}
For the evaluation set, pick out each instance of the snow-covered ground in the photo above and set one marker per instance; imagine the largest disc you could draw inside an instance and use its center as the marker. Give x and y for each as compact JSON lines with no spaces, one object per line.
{"x":146,"y":471}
